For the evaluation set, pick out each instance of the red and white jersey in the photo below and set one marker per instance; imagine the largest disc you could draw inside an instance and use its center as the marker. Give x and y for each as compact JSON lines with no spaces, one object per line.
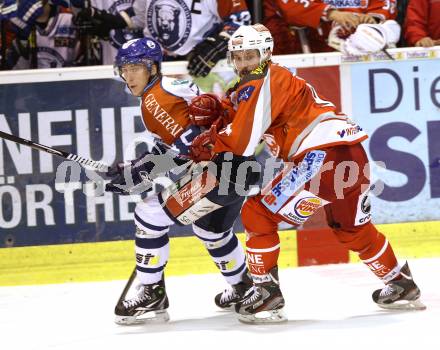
{"x":179,"y":25}
{"x":299,"y":13}
{"x":294,"y":121}
{"x":309,"y":12}
{"x":165,"y":108}
{"x":57,"y":44}
{"x":384,"y":9}
{"x":422,"y":20}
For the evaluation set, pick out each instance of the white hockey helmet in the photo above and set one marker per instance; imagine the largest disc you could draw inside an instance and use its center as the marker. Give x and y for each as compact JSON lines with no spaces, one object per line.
{"x":252,"y":37}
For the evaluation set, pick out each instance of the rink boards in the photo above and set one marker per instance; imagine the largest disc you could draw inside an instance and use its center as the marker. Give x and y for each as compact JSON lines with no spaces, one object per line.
{"x":104,"y":261}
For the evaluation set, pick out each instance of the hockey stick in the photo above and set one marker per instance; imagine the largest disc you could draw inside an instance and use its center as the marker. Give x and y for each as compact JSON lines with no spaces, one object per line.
{"x":80,"y":160}
{"x":127,"y":287}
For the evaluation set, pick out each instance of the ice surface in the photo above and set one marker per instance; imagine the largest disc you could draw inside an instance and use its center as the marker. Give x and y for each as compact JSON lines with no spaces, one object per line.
{"x":329,"y":307}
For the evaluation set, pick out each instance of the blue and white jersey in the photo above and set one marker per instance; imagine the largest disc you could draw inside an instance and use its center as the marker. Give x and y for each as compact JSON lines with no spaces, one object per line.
{"x":117,"y":36}
{"x":8,"y":8}
{"x":57,"y":44}
{"x":179,"y":25}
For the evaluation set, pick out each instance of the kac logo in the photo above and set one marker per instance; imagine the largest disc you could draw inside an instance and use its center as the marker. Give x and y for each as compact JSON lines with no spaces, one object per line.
{"x":245,"y":93}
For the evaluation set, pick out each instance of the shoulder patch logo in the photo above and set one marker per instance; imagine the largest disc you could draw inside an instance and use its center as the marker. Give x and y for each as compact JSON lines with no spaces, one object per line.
{"x":245,"y":93}
{"x":180,"y":82}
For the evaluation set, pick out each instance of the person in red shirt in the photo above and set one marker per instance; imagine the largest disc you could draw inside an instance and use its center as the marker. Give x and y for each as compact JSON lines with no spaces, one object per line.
{"x":422,"y":23}
{"x":317,"y":145}
{"x":318,"y":16}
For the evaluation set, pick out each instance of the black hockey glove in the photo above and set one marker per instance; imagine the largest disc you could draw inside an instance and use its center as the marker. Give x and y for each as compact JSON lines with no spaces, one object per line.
{"x":205,"y":55}
{"x":91,"y":21}
{"x":131,"y":177}
{"x":137,"y":176}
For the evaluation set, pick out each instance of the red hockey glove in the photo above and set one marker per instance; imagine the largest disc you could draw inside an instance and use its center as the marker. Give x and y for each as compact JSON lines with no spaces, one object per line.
{"x":202,"y":146}
{"x":205,"y":109}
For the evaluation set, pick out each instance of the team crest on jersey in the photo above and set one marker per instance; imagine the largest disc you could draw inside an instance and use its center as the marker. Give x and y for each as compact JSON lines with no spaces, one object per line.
{"x":245,"y":93}
{"x":340,"y":4}
{"x":117,"y":37}
{"x":50,"y":58}
{"x":169,"y":22}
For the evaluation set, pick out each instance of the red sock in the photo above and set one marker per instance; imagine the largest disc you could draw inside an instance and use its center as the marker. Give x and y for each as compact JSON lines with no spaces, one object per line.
{"x":262,"y":255}
{"x":380,"y":258}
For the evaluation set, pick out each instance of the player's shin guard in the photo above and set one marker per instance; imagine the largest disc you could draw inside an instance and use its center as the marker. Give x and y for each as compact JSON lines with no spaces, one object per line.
{"x":379,"y":256}
{"x":152,"y":252}
{"x":262,"y":253}
{"x":226,"y":253}
{"x":151,"y":301}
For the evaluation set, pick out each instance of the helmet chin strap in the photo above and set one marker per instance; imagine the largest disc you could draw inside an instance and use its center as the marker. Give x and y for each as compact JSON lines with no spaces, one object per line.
{"x":153,"y":78}
{"x":151,"y":82}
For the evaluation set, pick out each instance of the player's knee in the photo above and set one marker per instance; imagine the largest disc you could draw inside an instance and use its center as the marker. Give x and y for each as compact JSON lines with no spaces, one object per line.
{"x":255,"y":220}
{"x":150,"y":217}
{"x":360,"y":238}
{"x":215,"y":240}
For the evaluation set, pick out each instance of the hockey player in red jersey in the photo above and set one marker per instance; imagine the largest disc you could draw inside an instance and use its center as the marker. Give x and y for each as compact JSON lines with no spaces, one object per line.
{"x":326,"y":166}
{"x":165,"y":113}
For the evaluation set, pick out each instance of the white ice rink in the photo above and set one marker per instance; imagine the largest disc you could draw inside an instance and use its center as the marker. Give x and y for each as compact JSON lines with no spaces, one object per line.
{"x":329,"y":307}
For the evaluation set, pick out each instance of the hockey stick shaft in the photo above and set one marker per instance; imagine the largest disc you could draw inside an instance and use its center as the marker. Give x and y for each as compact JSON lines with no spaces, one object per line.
{"x":127,"y":287}
{"x":80,"y":160}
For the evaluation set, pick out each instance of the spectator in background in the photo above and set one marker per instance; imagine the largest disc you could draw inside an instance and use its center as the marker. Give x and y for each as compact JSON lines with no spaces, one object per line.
{"x":107,"y":24}
{"x":422,"y":24}
{"x":8,"y":9}
{"x":198,"y":31}
{"x":48,"y":39}
{"x":319,"y":16}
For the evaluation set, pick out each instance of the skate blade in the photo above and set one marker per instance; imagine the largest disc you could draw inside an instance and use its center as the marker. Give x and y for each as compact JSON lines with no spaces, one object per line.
{"x":148,"y":317}
{"x":264,"y":317}
{"x":230,"y":308}
{"x":404,"y":305}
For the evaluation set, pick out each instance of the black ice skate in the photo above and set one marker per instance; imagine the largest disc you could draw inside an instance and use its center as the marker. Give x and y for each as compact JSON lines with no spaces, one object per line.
{"x":263,"y":303}
{"x":148,"y":306}
{"x":401,"y":294}
{"x":229,"y":297}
